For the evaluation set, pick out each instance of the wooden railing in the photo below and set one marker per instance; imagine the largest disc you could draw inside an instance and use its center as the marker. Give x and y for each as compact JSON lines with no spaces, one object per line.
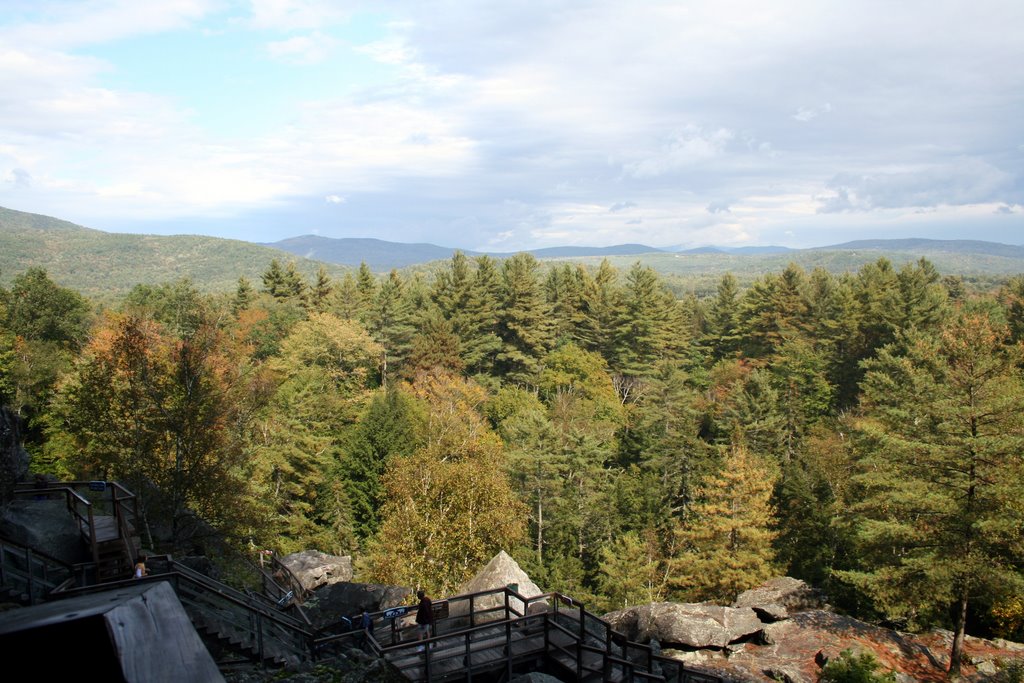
{"x":267,"y":632}
{"x":87,"y":499}
{"x":34,"y":573}
{"x":546,"y":625}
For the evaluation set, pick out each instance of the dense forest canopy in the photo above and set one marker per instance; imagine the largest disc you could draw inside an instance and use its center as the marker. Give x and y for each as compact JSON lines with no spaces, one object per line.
{"x":861,"y":431}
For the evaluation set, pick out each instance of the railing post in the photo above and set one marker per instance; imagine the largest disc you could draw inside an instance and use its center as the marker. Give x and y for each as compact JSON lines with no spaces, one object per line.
{"x":28,"y":567}
{"x":607,"y":653}
{"x":472,"y":608}
{"x":579,"y":646}
{"x":508,"y":646}
{"x":259,"y":638}
{"x":508,"y":613}
{"x":426,"y":661}
{"x":469,"y":657}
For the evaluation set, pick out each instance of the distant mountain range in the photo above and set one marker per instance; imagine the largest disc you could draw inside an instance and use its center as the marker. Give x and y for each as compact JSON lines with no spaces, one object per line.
{"x":381,"y":255}
{"x":105,"y":265}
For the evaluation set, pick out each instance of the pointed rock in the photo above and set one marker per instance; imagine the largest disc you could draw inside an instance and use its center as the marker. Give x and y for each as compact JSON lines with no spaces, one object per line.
{"x":500,"y":572}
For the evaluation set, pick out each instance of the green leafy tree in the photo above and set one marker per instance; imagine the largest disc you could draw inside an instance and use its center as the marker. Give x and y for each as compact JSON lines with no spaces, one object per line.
{"x":449,"y":507}
{"x":327,"y":368}
{"x":167,"y":415}
{"x":938,"y":521}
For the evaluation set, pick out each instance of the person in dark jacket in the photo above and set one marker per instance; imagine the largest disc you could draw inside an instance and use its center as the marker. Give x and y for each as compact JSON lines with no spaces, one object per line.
{"x":424,"y":615}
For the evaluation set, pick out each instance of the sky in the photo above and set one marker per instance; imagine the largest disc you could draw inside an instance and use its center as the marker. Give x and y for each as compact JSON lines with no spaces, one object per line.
{"x":515,"y":124}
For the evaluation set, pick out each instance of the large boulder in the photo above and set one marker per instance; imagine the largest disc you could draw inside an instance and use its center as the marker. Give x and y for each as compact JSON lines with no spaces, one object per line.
{"x":336,"y":600}
{"x":313,"y":568}
{"x":47,"y":526}
{"x":777,"y":598}
{"x":686,"y":625}
{"x":502,"y":571}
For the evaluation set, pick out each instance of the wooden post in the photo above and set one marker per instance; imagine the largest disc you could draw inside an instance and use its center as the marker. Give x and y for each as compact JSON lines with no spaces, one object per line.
{"x":472,"y":617}
{"x":579,"y":646}
{"x":508,"y":646}
{"x":28,"y":566}
{"x":469,"y":657}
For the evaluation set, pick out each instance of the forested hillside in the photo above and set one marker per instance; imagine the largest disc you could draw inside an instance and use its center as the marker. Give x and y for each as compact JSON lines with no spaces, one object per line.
{"x":861,"y":431}
{"x":105,"y":266}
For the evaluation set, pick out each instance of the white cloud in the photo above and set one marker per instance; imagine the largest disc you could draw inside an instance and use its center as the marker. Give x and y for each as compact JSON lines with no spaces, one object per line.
{"x":968,"y":182}
{"x":334,"y":199}
{"x":291,"y":15}
{"x":690,"y":146}
{"x":805,"y":114}
{"x":309,"y":49}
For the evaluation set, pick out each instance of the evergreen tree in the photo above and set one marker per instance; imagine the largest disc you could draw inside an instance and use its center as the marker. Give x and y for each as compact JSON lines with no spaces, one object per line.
{"x":243,"y":296}
{"x":601,"y":309}
{"x":648,"y":328}
{"x":320,"y":293}
{"x":725,"y":547}
{"x":391,"y":325}
{"x":939,"y":517}
{"x":722,"y":334}
{"x":524,"y":323}
{"x":389,"y":428}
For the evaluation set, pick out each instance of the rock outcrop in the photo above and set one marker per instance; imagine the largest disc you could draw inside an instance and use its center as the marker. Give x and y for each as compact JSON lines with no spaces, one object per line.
{"x":776,"y":598}
{"x":783,"y":630}
{"x":687,"y":625}
{"x":500,"y":572}
{"x":314,"y":569}
{"x":344,"y":599}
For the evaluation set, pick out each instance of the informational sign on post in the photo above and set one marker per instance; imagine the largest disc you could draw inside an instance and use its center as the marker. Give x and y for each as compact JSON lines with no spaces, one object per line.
{"x":396,"y":612}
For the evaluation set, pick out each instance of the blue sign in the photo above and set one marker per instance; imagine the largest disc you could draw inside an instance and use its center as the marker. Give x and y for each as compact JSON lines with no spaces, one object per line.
{"x":396,"y":612}
{"x":97,"y":486}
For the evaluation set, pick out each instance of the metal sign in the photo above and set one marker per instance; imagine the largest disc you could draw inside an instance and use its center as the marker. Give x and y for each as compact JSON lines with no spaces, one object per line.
{"x":97,"y":486}
{"x":395,"y":612}
{"x":567,"y":601}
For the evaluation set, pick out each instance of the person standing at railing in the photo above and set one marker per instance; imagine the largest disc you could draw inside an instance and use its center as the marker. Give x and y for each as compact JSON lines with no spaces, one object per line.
{"x":424,"y":615}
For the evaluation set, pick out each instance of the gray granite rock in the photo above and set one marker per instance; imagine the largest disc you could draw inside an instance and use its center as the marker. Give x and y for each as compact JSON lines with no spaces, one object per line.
{"x":313,"y":568}
{"x":688,"y":625}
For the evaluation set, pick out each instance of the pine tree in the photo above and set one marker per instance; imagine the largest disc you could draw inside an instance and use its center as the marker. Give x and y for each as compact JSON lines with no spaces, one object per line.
{"x":939,"y":518}
{"x":320,"y":293}
{"x":722,"y":334}
{"x":389,"y":428}
{"x":391,"y":325}
{"x":524,"y":323}
{"x":648,"y":327}
{"x":243,"y":296}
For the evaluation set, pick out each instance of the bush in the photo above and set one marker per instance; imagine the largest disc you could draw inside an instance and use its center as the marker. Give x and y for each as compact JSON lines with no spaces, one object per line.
{"x":854,"y":668}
